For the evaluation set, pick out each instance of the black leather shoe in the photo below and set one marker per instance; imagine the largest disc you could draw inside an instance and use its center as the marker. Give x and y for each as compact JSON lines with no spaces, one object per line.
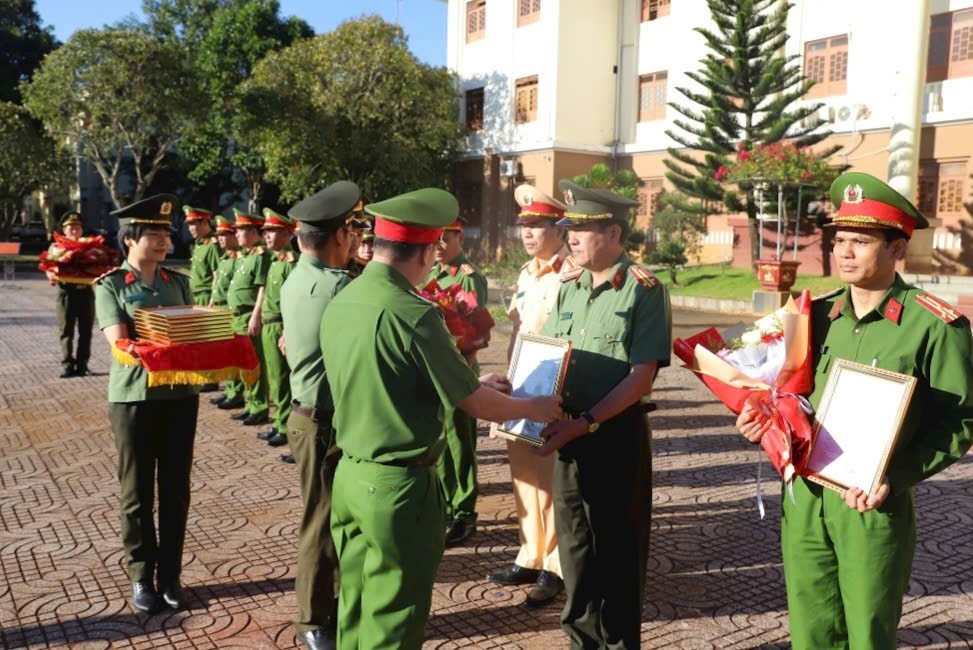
{"x":209,"y":388}
{"x":254,"y":420}
{"x":216,"y":401}
{"x":82,"y":371}
{"x":239,"y":417}
{"x":287,"y":458}
{"x":235,"y":403}
{"x":278,"y":440}
{"x":67,"y":372}
{"x":267,"y":435}
{"x":514,"y":575}
{"x":546,"y":589}
{"x":144,"y":598}
{"x":174,"y":595}
{"x":318,"y":639}
{"x":457,"y":531}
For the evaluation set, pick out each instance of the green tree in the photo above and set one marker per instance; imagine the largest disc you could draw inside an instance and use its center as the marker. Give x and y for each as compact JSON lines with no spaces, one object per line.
{"x":623,"y":182}
{"x":116,"y":98}
{"x":351,"y":104}
{"x":748,"y":91}
{"x":29,"y":160}
{"x":679,"y":234}
{"x":23,"y":44}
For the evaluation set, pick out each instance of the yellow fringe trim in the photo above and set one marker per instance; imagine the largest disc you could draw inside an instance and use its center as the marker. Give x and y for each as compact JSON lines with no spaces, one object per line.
{"x":189,"y":377}
{"x":588,"y":217}
{"x":70,"y":280}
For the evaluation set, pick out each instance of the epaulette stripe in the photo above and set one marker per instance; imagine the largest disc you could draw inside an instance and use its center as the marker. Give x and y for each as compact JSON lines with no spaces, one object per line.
{"x":643,"y":277}
{"x":830,"y":294}
{"x":467,"y":269}
{"x":106,"y":274}
{"x":939,"y":308}
{"x":573,"y":274}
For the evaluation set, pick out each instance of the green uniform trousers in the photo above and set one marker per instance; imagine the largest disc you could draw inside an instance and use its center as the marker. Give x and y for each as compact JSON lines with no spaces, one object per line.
{"x":202,"y":298}
{"x":317,"y":563}
{"x":457,"y":466}
{"x":75,"y":308}
{"x":846,"y":572}
{"x":234,"y":387}
{"x":278,"y":375}
{"x":602,"y":514}
{"x":387,"y":523}
{"x":256,"y":395}
{"x":154,"y":438}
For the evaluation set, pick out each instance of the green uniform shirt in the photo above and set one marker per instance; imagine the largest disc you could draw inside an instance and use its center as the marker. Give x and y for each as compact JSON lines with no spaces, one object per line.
{"x":203,"y":263}
{"x":224,"y":273}
{"x":117,"y":296}
{"x":901,"y":335}
{"x":280,"y":267}
{"x":465,"y":274}
{"x":249,"y":274}
{"x":392,"y":366}
{"x":621,"y":323}
{"x":303,"y":299}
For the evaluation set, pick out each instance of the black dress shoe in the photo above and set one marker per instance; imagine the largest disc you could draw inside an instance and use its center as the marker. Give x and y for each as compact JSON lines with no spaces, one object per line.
{"x":82,"y":371}
{"x":514,"y":575}
{"x":278,"y":440}
{"x":235,"y":403}
{"x":209,"y":388}
{"x":267,"y":435}
{"x":318,"y":639}
{"x":239,"y":417}
{"x":546,"y":589}
{"x":144,"y":598}
{"x":254,"y":420}
{"x":457,"y":531}
{"x":67,"y":372}
{"x":216,"y":401}
{"x":288,"y":458}
{"x":174,"y":595}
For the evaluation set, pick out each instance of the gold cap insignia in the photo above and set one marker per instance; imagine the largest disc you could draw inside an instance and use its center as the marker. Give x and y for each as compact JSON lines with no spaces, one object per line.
{"x":853,"y":194}
{"x":528,"y":199}
{"x":166,"y":207}
{"x":569,"y":197}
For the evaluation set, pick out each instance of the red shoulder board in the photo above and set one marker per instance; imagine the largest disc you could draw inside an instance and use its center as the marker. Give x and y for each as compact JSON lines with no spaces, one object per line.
{"x":257,"y":250}
{"x":467,"y":269}
{"x":940,"y":308}
{"x":643,"y":277}
{"x":106,"y":274}
{"x":573,"y":274}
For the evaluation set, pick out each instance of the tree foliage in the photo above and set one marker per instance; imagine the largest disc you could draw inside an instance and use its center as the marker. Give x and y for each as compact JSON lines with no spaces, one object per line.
{"x":352,"y":104}
{"x":117,"y":98}
{"x":679,"y":235}
{"x":746,"y":97}
{"x":23,"y":44}
{"x":29,"y":160}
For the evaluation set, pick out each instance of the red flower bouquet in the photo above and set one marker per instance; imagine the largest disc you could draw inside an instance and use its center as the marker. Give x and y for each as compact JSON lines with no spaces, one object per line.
{"x":78,"y":261}
{"x":469,"y":324}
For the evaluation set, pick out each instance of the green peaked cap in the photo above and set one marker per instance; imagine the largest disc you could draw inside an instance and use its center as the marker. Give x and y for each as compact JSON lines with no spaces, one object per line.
{"x":588,"y":204}
{"x":429,"y":207}
{"x":156,"y":210}
{"x":855,"y":194}
{"x":318,"y":211}
{"x":72,"y":217}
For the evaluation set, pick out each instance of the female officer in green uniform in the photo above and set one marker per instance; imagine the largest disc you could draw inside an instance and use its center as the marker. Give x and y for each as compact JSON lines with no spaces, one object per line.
{"x":154,"y":427}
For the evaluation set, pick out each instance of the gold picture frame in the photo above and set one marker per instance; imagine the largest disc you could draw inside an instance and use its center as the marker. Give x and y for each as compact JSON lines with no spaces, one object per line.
{"x":857,"y":425}
{"x":537,"y":367}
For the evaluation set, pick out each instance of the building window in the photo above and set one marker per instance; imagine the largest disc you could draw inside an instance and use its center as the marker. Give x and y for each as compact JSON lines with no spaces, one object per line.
{"x":950,"y":46}
{"x":650,"y":200}
{"x":528,"y":11}
{"x":652,"y":9}
{"x":474,"y":109}
{"x":826,"y":62}
{"x":941,"y":190}
{"x":475,"y":20}
{"x":526,"y":98}
{"x":652,"y":96}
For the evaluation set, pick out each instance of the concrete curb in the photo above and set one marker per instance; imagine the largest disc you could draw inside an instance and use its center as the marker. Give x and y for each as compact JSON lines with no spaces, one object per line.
{"x":712,"y":304}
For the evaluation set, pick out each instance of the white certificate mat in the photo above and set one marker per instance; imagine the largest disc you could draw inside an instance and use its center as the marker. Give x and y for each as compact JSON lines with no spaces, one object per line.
{"x":537,"y":369}
{"x":857,"y":425}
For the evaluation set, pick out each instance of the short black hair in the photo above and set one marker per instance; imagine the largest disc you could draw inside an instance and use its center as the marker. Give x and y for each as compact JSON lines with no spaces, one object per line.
{"x":134,"y":231}
{"x":893,"y":235}
{"x":399,"y":251}
{"x":321,"y":235}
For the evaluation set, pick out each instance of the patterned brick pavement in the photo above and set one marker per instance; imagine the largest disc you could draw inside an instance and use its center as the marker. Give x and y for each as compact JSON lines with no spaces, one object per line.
{"x":715,"y":578}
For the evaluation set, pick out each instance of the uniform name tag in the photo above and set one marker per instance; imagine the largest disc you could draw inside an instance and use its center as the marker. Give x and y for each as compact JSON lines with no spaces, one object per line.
{"x":567,"y":315}
{"x":135,"y":297}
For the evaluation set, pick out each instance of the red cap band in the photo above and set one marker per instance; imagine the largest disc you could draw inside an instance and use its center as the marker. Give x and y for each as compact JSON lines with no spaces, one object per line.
{"x":869,"y":211}
{"x":393,"y":231}
{"x":274,"y":222}
{"x":541,"y":209}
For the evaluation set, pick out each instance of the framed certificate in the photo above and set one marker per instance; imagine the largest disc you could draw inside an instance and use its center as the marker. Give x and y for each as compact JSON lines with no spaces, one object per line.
{"x":537,"y":368}
{"x":857,"y":425}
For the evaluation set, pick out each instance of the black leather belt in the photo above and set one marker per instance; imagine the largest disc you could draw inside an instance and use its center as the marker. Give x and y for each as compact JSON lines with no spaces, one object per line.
{"x":425,"y":461}
{"x":272,"y":319}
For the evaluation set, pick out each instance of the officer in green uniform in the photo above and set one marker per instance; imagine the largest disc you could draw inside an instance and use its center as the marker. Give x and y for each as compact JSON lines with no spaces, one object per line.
{"x":245,"y":297}
{"x":392,"y":367}
{"x":278,"y":231}
{"x":232,"y":397}
{"x":457,"y":467}
{"x":154,"y":427}
{"x":75,"y":307}
{"x":616,"y":315}
{"x":324,"y":236}
{"x":205,"y":256}
{"x":848,"y":556}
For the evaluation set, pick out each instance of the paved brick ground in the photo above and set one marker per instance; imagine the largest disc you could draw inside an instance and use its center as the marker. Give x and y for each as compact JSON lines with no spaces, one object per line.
{"x":714,"y":574}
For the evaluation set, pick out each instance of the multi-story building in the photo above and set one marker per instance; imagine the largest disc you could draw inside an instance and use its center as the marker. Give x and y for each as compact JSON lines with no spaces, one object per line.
{"x":550,"y":87}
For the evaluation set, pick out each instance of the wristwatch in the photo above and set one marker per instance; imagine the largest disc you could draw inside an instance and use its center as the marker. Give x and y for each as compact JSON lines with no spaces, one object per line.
{"x":593,"y":424}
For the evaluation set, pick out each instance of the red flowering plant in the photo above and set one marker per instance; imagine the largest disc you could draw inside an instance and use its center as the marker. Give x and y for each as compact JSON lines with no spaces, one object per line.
{"x":469,"y":324}
{"x":78,"y":261}
{"x":783,"y":161}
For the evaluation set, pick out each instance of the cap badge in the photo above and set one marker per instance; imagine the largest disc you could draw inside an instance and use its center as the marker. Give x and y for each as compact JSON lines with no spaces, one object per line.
{"x":528,"y":199}
{"x":166,"y":207}
{"x":854,"y":194}
{"x":569,"y":197}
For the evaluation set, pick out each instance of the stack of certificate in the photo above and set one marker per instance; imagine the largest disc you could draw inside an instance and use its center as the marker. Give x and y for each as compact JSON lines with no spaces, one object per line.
{"x":183,"y":324}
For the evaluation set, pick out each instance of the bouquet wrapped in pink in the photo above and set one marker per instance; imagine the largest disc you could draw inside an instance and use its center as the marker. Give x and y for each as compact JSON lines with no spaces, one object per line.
{"x":469,"y":324}
{"x":78,"y":261}
{"x":769,"y":366}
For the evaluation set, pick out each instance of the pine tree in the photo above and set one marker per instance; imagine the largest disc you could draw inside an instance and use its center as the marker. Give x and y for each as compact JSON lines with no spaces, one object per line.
{"x":748,"y":88}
